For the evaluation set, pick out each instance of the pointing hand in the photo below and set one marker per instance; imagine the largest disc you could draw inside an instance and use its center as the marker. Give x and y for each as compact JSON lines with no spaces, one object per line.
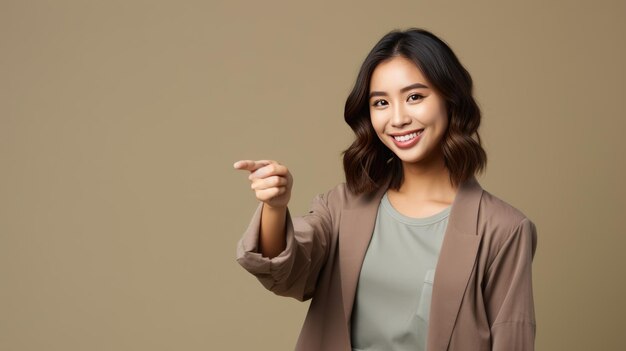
{"x":271,"y":181}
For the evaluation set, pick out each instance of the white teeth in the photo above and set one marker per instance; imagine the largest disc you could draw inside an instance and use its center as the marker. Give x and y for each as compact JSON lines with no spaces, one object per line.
{"x":408,"y":136}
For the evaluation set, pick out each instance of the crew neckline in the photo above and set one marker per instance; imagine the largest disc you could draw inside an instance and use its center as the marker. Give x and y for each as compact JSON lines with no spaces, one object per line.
{"x":439,"y":216}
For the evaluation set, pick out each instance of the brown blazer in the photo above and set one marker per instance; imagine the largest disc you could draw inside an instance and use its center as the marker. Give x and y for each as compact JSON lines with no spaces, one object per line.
{"x":482,"y":297}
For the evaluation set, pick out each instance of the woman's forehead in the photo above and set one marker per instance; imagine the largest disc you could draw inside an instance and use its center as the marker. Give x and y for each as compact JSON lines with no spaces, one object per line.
{"x":395,"y":74}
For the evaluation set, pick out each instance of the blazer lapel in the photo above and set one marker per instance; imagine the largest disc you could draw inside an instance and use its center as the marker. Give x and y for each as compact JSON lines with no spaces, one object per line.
{"x":454,"y":265}
{"x":356,"y":227}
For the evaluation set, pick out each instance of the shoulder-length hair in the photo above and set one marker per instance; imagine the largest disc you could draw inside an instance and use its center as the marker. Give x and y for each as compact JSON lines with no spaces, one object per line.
{"x":368,"y":163}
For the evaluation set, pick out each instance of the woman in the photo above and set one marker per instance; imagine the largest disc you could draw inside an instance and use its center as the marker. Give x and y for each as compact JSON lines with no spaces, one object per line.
{"x":410,"y":253}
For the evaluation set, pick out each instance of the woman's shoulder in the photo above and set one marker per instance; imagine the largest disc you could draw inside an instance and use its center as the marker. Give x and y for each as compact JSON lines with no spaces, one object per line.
{"x":500,"y":223}
{"x":340,"y":197}
{"x":497,"y":213}
{"x":337,"y":196}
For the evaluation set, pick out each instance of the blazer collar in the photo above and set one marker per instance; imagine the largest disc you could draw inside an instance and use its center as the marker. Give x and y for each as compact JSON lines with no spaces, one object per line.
{"x":454,"y":265}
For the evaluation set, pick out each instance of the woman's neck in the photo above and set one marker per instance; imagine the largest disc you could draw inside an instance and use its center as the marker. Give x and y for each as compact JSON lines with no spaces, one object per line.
{"x":427,"y":182}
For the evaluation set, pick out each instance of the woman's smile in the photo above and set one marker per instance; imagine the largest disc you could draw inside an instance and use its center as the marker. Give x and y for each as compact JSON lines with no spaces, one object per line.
{"x":407,"y":140}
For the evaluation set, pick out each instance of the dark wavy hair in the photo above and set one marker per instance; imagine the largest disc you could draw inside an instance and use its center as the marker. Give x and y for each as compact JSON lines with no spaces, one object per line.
{"x":368,"y":163}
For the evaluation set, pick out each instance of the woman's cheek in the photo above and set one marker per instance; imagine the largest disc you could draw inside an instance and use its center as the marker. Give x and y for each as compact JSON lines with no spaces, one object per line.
{"x":376,"y":119}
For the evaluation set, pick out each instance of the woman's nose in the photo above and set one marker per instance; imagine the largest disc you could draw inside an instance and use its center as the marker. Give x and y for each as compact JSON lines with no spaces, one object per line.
{"x":400,"y":117}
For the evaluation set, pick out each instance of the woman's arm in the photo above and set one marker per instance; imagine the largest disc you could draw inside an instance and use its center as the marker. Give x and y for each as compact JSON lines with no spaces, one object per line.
{"x":294,"y":271}
{"x":272,"y":236}
{"x":509,"y":293}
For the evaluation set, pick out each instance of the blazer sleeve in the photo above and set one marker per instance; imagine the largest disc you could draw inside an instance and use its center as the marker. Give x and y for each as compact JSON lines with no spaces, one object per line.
{"x":294,"y":272}
{"x":509,"y":293}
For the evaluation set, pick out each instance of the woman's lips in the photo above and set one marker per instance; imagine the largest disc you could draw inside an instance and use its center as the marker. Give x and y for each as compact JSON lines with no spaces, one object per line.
{"x":409,"y":143}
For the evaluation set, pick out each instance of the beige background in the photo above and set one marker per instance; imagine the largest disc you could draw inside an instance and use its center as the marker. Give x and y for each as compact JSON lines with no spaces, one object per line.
{"x":120,"y":122}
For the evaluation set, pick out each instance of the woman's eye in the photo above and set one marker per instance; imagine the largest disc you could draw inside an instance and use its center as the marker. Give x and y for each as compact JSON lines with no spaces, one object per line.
{"x":419,"y":97}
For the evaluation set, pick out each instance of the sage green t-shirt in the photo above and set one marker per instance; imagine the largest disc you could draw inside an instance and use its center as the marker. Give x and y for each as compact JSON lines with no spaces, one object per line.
{"x":392,"y":301}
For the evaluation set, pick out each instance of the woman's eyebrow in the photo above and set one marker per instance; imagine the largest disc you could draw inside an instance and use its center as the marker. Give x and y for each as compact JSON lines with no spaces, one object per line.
{"x":412,"y":86}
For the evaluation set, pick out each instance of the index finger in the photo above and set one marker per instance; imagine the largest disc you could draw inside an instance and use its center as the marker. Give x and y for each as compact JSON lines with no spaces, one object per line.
{"x":251,"y":165}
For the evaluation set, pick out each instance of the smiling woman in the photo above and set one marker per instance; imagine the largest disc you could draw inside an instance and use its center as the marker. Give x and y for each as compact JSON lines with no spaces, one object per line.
{"x":409,"y":81}
{"x":410,"y":252}
{"x":406,"y":110}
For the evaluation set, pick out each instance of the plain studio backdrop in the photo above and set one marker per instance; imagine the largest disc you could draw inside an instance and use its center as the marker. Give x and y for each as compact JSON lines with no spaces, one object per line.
{"x":120,"y":121}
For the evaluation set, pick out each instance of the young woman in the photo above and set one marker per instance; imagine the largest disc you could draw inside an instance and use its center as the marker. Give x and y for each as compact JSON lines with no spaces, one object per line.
{"x":410,"y":253}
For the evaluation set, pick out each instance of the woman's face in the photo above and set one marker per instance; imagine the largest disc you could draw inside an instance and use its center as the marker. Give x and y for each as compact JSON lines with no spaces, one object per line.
{"x":402,"y":102}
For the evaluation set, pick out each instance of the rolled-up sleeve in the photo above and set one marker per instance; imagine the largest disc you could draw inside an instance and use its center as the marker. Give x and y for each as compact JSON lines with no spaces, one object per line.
{"x":295,"y":270}
{"x":509,"y":292}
